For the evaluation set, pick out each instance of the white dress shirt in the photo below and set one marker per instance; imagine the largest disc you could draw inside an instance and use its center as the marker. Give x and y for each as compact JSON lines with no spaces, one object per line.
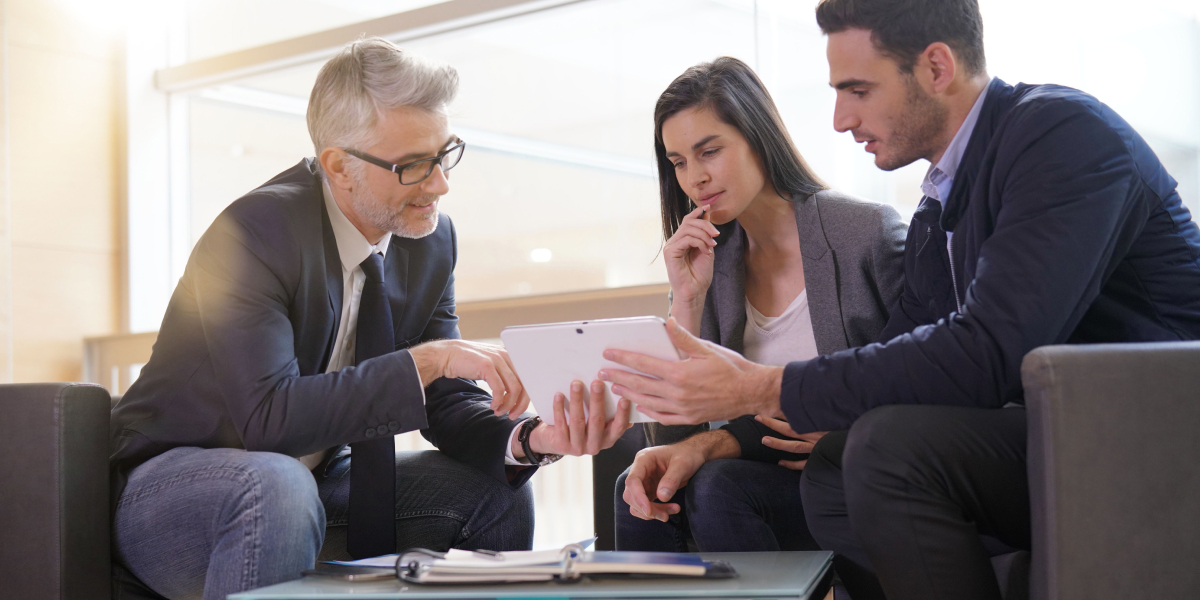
{"x":777,"y":341}
{"x":939,"y":179}
{"x":353,"y":249}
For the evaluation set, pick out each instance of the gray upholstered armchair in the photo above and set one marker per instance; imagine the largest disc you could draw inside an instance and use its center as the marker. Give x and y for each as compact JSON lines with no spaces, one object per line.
{"x":1114,"y":470}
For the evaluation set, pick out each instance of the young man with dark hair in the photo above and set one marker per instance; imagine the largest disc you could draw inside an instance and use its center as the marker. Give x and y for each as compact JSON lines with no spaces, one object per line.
{"x":1046,"y":220}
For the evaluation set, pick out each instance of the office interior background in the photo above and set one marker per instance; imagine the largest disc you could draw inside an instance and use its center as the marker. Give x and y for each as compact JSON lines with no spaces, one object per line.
{"x":129,"y":125}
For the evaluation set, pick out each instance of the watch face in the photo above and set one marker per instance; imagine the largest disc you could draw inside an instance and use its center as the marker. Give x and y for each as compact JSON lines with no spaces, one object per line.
{"x":548,"y":459}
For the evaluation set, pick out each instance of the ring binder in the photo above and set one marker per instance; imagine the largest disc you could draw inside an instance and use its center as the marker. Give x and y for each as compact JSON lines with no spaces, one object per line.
{"x":568,"y":564}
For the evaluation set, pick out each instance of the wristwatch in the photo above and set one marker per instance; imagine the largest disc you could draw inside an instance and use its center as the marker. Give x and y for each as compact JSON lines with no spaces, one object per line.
{"x":523,"y":434}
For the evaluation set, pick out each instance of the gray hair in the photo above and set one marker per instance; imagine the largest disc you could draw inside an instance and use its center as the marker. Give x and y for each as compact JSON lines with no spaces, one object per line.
{"x":366,"y":78}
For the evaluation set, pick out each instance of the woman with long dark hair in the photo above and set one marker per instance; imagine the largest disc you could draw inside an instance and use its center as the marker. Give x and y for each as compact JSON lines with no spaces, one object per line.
{"x":765,"y":260}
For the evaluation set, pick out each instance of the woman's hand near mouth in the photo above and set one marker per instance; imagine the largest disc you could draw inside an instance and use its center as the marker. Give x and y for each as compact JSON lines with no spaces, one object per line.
{"x":689,"y":259}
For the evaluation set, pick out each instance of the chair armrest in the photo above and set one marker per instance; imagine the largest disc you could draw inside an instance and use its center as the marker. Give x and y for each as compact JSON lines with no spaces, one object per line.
{"x":1114,"y":441}
{"x":607,"y":466}
{"x":54,"y":506}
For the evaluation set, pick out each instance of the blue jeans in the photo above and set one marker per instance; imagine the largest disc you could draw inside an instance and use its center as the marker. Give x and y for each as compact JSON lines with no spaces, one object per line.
{"x":204,"y":523}
{"x":730,"y":505}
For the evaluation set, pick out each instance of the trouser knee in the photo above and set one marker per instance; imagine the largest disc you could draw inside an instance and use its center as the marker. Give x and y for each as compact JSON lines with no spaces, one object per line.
{"x":281,"y":495}
{"x":497,"y":515}
{"x":824,"y":464}
{"x":717,"y":483}
{"x":884,"y":444}
{"x":822,"y":494}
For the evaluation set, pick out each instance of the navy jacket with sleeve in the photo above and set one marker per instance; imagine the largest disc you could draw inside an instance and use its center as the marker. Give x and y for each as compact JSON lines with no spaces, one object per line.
{"x":241,"y":355}
{"x":1067,"y":229}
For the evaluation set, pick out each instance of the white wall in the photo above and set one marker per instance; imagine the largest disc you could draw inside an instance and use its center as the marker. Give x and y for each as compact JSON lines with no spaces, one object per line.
{"x":64,"y":137}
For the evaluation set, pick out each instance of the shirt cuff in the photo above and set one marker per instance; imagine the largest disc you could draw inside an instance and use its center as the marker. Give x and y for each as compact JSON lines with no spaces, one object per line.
{"x":790,"y":400}
{"x":509,"y":459}
{"x":418,"y":372}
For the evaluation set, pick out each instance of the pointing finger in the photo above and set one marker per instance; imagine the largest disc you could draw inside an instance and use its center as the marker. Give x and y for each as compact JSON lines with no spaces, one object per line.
{"x":684,"y":340}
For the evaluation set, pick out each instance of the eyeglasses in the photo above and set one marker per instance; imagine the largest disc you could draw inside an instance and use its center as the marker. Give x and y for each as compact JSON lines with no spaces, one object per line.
{"x":417,"y":171}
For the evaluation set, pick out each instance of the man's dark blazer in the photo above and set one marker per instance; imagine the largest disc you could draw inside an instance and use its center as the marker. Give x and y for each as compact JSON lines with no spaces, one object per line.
{"x":1067,"y":229}
{"x":241,"y":355}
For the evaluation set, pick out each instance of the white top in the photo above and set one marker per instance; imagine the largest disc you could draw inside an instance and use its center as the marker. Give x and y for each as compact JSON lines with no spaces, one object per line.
{"x":777,"y":341}
{"x":353,"y":249}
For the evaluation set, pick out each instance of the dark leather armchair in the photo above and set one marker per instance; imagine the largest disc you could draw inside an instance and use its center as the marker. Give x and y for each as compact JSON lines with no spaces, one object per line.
{"x":54,"y":511}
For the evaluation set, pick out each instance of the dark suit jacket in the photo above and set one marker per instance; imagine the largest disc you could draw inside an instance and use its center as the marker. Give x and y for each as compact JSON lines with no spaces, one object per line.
{"x":853,"y":254}
{"x":241,"y":355}
{"x":1067,"y":229}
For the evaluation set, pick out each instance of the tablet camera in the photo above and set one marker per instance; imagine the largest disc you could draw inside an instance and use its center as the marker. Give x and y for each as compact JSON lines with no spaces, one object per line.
{"x":578,"y":331}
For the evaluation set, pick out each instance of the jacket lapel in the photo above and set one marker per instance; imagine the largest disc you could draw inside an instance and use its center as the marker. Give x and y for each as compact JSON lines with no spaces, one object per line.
{"x":820,"y":276}
{"x":729,"y":264}
{"x":995,"y":106}
{"x":396,"y":282}
{"x":333,"y":268}
{"x":333,"y":277}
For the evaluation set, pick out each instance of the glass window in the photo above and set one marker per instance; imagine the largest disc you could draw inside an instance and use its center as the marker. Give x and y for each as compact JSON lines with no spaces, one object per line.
{"x":557,"y":189}
{"x":216,"y":27}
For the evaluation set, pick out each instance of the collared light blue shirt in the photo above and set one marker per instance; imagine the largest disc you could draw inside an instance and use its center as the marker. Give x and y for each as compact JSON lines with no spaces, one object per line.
{"x":939,"y":179}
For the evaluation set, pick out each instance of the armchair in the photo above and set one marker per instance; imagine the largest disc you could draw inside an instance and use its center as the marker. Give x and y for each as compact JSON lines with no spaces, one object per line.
{"x":1114,"y":470}
{"x":1114,"y":474}
{"x":54,"y":511}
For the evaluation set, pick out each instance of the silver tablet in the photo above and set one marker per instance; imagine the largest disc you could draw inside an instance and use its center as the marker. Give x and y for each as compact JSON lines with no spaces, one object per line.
{"x":549,"y":357}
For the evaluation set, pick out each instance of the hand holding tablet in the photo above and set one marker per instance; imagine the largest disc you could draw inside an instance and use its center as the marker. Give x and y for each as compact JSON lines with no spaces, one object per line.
{"x":549,"y":357}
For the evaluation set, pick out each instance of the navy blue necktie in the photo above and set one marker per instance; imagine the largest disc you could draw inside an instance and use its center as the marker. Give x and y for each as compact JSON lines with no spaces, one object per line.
{"x":371,"y":523}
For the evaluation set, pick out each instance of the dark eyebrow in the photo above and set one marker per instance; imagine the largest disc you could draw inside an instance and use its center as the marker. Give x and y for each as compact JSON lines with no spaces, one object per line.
{"x":407,"y":158}
{"x":697,"y":145}
{"x":841,"y":85}
{"x":704,"y":141}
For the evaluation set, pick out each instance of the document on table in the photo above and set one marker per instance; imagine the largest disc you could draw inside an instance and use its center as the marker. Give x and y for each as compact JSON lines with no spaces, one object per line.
{"x":470,"y":558}
{"x":565,"y":564}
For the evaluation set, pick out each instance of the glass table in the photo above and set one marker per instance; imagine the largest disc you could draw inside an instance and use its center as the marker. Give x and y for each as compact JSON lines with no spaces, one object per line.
{"x":761,"y":576}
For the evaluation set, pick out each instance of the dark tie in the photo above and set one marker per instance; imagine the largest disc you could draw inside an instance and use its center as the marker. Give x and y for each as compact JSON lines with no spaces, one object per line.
{"x":372,"y":519}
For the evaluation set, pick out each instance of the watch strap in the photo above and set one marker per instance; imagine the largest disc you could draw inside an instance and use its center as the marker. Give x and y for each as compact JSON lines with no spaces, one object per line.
{"x":524,"y":435}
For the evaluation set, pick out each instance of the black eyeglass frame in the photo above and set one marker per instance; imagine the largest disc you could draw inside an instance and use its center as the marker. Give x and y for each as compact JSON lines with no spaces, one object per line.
{"x":399,"y":169}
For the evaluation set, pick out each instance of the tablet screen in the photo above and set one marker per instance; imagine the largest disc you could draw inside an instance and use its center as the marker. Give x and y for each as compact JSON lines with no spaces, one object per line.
{"x":549,"y":357}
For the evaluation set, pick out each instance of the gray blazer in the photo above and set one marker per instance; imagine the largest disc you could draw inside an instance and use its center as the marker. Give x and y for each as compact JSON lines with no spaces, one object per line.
{"x":853,"y":254}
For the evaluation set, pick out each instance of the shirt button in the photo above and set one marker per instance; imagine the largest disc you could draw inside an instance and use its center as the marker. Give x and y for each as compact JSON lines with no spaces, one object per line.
{"x":393,"y":426}
{"x":370,"y":433}
{"x":382,"y":429}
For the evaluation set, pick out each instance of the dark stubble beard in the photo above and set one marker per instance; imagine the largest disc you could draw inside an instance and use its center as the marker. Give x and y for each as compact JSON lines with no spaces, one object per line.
{"x":920,"y":127}
{"x":382,"y":216}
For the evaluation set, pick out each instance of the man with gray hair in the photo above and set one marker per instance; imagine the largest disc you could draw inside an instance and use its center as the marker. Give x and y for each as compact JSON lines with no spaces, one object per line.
{"x":315,"y":321}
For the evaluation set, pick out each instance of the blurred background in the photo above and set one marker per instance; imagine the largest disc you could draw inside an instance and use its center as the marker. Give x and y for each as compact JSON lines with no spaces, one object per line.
{"x":129,"y":125}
